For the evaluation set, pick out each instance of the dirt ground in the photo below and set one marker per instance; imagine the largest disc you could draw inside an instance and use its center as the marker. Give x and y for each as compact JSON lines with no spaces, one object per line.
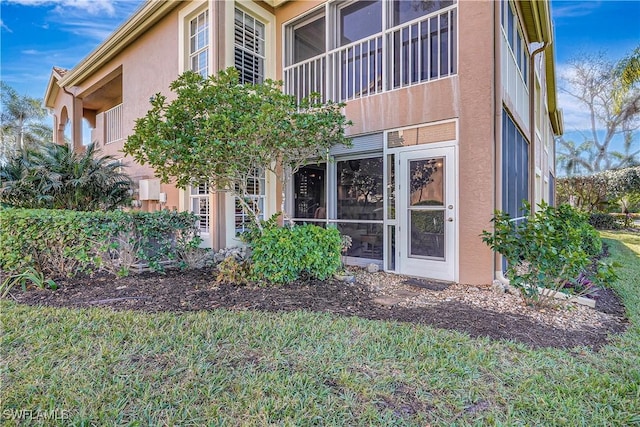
{"x":183,"y":291}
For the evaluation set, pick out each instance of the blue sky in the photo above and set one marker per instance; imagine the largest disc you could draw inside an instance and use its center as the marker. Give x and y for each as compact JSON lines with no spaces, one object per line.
{"x":38,"y":34}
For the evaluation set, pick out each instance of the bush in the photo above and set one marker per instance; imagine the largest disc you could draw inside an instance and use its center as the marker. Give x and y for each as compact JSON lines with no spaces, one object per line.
{"x":604,"y":221}
{"x":551,"y":250}
{"x":281,"y":254}
{"x":62,"y":243}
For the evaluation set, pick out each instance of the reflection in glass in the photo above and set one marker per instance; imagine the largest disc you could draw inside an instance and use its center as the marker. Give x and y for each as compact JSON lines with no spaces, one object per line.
{"x":391,"y":249}
{"x":391,"y":186}
{"x":427,"y":233}
{"x":309,"y":40}
{"x":366,"y":239}
{"x":310,"y":192}
{"x":360,"y":193}
{"x":360,"y":20}
{"x":426,"y":185}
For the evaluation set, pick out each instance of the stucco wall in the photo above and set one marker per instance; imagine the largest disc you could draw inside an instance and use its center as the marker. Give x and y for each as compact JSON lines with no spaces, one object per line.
{"x":470,"y":97}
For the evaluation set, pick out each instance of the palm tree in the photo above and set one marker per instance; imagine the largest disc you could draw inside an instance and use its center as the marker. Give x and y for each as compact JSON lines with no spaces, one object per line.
{"x":56,"y":177}
{"x":21,"y":123}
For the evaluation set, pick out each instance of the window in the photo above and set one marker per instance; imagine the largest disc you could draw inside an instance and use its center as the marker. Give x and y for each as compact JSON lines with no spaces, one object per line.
{"x":356,"y":201}
{"x":359,"y":205}
{"x":308,"y":39}
{"x":413,"y":41}
{"x":517,"y":43}
{"x":515,"y":167}
{"x":255,"y":199}
{"x":200,"y":206}
{"x":359,"y":20}
{"x":310,"y":193}
{"x":249,"y":47}
{"x":199,"y":44}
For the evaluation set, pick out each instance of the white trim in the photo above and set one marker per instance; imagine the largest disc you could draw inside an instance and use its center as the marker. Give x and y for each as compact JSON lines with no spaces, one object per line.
{"x":265,"y":17}
{"x":187,"y":13}
{"x":426,"y":148}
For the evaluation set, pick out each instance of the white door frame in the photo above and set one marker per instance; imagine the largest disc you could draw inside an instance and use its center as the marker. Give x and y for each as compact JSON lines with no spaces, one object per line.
{"x":446,"y":268}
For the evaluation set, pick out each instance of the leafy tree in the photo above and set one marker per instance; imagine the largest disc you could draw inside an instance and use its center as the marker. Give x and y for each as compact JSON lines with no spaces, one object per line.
{"x":55,"y":177}
{"x":21,"y":123}
{"x":611,"y":95}
{"x":219,"y":131}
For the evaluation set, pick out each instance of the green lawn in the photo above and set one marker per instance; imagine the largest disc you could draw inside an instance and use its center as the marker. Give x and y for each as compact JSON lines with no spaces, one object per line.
{"x":98,"y":367}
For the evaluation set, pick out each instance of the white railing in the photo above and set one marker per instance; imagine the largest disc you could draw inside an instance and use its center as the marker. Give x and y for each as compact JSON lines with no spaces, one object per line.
{"x":113,"y":124}
{"x":418,"y":51}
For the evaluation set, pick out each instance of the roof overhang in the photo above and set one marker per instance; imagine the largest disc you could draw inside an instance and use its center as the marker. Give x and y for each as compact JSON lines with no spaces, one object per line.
{"x":144,"y":18}
{"x":53,"y":88}
{"x":275,"y":3}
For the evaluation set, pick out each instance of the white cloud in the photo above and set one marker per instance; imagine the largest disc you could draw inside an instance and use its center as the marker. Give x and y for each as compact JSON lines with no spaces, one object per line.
{"x":4,"y":26}
{"x":88,"y":29}
{"x":93,"y":7}
{"x":575,"y":9}
{"x":29,"y":52}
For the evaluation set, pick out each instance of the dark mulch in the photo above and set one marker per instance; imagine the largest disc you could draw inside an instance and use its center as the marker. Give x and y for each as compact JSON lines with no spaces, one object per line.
{"x":182,"y":291}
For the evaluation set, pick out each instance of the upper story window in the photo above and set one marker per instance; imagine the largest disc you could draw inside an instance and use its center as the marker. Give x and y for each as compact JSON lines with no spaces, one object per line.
{"x":249,"y":47}
{"x":199,"y":44}
{"x":513,"y":34}
{"x":409,"y":42}
{"x":307,"y":39}
{"x":358,"y":20}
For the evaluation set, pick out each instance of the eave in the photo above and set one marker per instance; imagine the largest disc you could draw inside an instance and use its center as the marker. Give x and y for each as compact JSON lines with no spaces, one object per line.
{"x":53,"y":87}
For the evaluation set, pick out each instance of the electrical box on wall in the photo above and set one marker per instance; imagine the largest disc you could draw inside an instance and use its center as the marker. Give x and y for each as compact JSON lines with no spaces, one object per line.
{"x":149,"y":189}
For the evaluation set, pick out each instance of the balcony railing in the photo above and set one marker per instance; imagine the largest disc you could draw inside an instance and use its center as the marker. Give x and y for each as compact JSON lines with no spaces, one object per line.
{"x":418,"y":51}
{"x":113,"y":124}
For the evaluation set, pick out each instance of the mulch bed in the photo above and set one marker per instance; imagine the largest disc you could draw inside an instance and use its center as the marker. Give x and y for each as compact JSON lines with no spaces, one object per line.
{"x":183,"y":291}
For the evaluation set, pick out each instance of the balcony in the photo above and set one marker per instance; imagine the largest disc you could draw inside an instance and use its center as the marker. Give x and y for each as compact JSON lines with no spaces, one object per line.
{"x":418,"y":51}
{"x":113,"y":124}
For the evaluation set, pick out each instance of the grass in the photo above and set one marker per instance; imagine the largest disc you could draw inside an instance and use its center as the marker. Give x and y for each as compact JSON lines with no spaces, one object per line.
{"x":98,"y":367}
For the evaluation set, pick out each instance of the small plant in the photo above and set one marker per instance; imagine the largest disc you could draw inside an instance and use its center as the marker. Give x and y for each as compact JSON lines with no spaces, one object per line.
{"x":230,"y":270}
{"x":548,"y":253}
{"x":345,"y":241}
{"x":30,"y":274}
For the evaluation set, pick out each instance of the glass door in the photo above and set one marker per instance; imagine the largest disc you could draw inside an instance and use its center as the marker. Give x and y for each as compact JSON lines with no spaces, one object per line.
{"x":427,"y":234}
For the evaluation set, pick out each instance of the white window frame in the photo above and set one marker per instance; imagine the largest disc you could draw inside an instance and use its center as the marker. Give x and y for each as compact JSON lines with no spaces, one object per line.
{"x":201,"y":32}
{"x":199,"y":193}
{"x":257,"y":199}
{"x":258,"y":50}
{"x":186,"y":14}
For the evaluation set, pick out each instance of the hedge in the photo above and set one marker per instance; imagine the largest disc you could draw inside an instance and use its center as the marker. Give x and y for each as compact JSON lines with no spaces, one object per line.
{"x":63,"y":243}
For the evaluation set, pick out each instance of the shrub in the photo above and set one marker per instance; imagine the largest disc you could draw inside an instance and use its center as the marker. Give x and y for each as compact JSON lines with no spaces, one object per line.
{"x":231,"y":270}
{"x":604,"y":221}
{"x":282,"y":254}
{"x":55,"y":177}
{"x":62,"y":243}
{"x":550,"y":251}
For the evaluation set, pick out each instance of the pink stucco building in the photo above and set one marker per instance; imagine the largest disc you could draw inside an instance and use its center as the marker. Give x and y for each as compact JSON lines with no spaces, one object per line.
{"x":453,"y":104}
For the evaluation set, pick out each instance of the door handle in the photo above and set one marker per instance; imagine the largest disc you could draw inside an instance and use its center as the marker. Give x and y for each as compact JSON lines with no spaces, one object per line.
{"x":450,"y":219}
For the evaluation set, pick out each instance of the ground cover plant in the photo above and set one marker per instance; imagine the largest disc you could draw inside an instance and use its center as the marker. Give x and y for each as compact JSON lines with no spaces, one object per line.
{"x":248,"y":367}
